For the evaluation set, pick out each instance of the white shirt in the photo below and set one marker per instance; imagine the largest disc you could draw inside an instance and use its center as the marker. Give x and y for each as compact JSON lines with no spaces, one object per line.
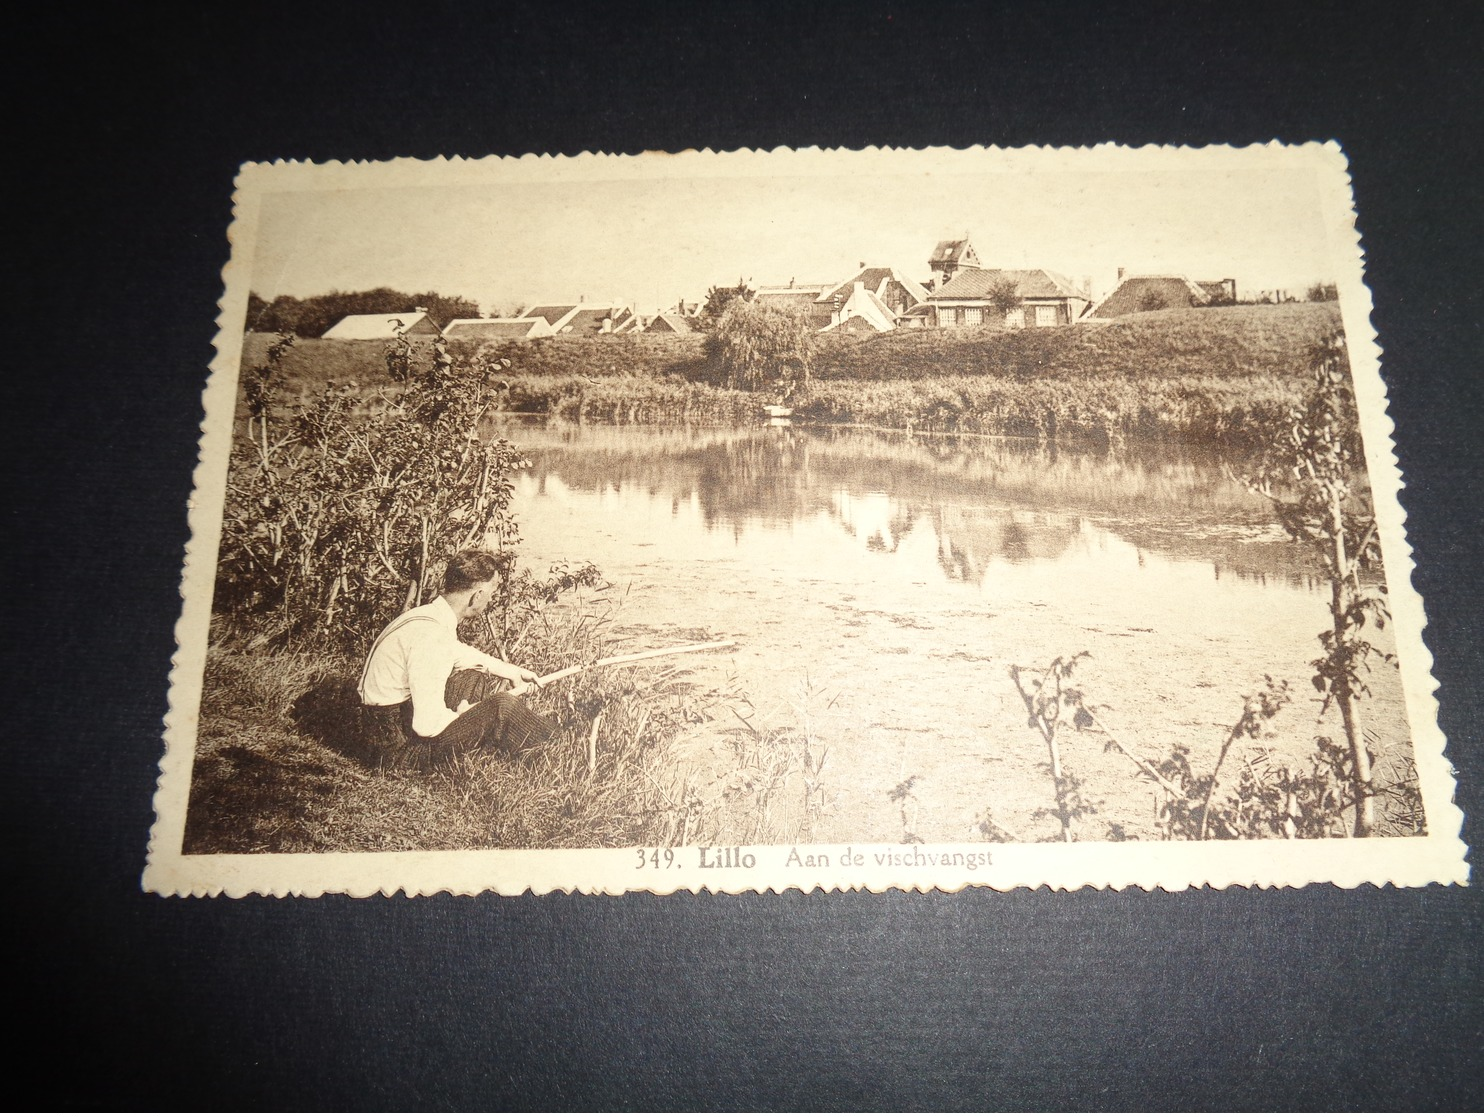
{"x":413,"y":658}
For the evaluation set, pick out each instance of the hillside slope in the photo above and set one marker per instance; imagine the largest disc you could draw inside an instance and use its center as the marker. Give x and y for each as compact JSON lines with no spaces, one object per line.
{"x":1215,"y":342}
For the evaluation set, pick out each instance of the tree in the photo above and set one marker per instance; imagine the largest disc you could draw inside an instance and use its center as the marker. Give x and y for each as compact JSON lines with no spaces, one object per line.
{"x":256,"y":306}
{"x":1322,"y":293}
{"x":1308,"y":480}
{"x":281,"y":315}
{"x":311,"y":317}
{"x":719,"y":298}
{"x":1004,"y":296}
{"x":755,"y":343}
{"x":443,"y":309}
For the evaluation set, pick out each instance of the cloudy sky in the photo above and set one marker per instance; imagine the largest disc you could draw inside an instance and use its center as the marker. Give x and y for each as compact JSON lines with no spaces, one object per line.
{"x":653,"y":229}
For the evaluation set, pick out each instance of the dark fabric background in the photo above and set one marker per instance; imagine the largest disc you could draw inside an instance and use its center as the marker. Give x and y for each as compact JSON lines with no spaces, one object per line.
{"x":129,"y":127}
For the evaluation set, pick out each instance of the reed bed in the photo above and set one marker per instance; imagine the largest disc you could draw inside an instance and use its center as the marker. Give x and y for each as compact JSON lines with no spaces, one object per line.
{"x":1238,"y":413}
{"x":631,"y":398}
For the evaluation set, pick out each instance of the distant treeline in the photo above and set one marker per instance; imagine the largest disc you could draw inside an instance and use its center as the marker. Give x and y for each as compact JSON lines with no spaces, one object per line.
{"x":311,"y":317}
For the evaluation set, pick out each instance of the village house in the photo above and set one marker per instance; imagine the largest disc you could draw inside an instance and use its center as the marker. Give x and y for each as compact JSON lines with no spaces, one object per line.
{"x":974,"y":297}
{"x":668,"y":323}
{"x":1138,"y":293}
{"x":379,"y":327}
{"x":585,"y":319}
{"x":872,"y":300}
{"x":802,"y":298}
{"x":897,"y":292}
{"x":862,"y":311}
{"x":496,"y":329}
{"x":917,"y":318}
{"x":949,"y":257}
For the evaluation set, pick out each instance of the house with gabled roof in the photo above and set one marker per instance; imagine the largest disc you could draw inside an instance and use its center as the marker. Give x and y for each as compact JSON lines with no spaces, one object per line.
{"x":829,"y":305}
{"x":802,"y":298}
{"x":667,"y":323}
{"x":600,"y":319}
{"x":898,"y":292}
{"x":861,"y":312}
{"x":972,"y":298}
{"x":496,"y":329}
{"x":379,"y":327}
{"x":585,"y":319}
{"x":553,"y":314}
{"x":1138,"y":293}
{"x":949,"y":257}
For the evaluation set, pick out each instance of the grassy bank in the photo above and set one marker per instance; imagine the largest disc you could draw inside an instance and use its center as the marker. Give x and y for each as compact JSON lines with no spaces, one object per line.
{"x":1224,"y":375}
{"x":285,"y":762}
{"x":1238,"y":412}
{"x":1214,"y":343}
{"x":631,"y":398}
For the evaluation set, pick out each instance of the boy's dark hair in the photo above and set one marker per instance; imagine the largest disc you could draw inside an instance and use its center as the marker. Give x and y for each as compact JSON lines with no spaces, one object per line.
{"x":468,"y":569}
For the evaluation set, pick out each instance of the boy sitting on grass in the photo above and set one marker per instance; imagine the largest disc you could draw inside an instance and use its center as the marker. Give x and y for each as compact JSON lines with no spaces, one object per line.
{"x":432,"y":696}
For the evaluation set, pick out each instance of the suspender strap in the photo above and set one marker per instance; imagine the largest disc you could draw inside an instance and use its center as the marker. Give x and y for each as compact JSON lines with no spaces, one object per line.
{"x":396,"y":625}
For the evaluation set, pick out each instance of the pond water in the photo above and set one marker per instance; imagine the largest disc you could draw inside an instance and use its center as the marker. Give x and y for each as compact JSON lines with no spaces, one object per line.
{"x":882,"y":584}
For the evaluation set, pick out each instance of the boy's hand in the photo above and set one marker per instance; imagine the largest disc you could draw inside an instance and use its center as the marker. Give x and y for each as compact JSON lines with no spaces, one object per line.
{"x":523,"y":680}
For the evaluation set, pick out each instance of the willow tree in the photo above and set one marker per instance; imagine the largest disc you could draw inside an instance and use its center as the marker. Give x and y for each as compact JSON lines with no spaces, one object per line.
{"x":757,"y":345}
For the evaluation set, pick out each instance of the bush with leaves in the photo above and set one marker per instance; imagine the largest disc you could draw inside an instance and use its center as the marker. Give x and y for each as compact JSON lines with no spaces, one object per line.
{"x":1270,"y":797}
{"x":1310,"y":479}
{"x":1047,"y":699}
{"x":340,"y":513}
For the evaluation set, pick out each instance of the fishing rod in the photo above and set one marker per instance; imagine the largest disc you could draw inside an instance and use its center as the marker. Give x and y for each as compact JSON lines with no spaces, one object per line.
{"x":633,"y":657}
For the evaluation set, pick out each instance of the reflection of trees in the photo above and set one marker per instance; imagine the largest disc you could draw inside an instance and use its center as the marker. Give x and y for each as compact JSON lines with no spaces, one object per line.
{"x":1174,"y":504}
{"x":970,"y":539}
{"x":766,"y":478}
{"x":733,"y":476}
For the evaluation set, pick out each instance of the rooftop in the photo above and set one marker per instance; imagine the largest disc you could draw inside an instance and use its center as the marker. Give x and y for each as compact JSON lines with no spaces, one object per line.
{"x":1030,"y":283}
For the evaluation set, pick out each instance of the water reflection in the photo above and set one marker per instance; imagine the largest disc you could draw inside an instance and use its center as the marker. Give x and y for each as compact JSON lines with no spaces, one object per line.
{"x":978,"y":500}
{"x":899,"y":577}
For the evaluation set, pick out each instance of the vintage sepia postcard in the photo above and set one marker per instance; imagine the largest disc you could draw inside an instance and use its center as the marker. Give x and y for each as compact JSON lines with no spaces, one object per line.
{"x":796,"y":519}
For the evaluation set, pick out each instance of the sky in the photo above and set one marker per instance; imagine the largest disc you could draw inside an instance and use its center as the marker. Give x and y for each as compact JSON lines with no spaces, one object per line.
{"x":651,"y":241}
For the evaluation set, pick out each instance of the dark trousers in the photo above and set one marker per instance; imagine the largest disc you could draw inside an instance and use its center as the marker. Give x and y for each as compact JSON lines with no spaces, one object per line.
{"x":498,"y":721}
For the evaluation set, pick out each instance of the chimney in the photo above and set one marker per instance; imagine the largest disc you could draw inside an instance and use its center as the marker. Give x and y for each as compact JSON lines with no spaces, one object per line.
{"x":1120,"y":275}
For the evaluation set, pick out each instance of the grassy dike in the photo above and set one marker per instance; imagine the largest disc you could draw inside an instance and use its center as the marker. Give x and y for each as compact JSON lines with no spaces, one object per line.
{"x":1224,"y":375}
